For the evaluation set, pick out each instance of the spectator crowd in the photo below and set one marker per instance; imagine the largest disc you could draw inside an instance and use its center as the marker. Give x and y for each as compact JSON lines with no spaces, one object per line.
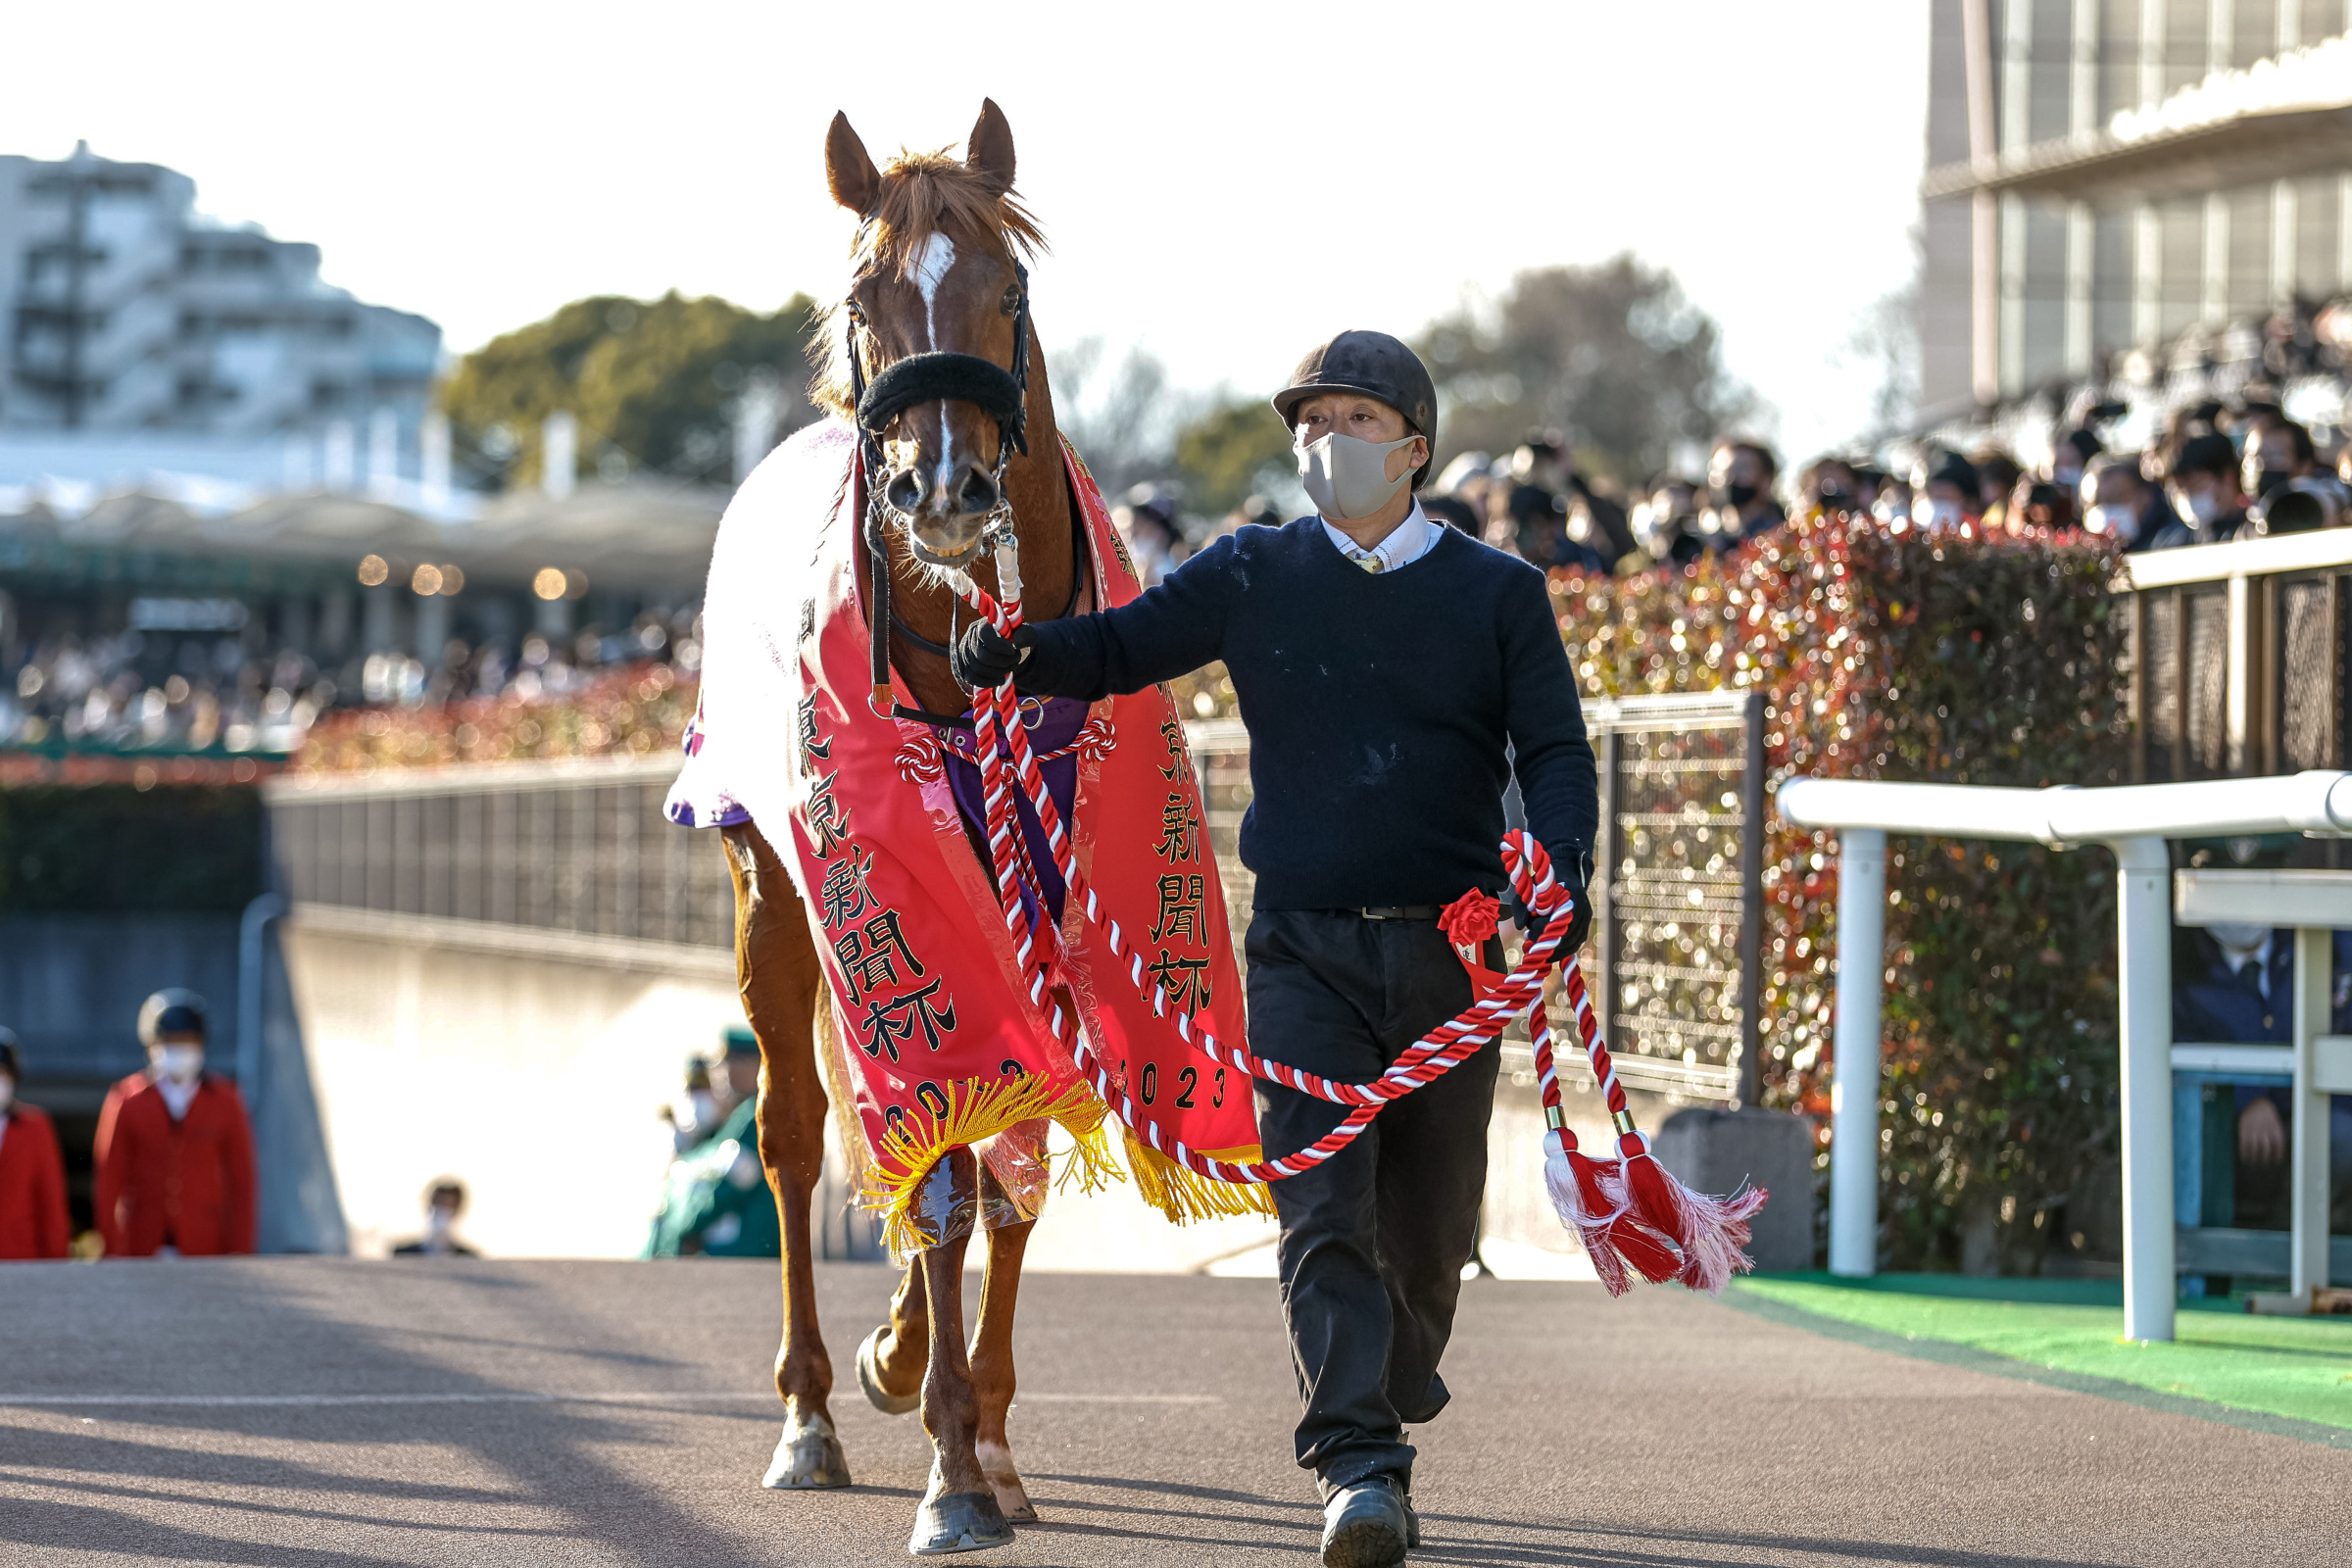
{"x":243,"y":691}
{"x":2218,"y":470}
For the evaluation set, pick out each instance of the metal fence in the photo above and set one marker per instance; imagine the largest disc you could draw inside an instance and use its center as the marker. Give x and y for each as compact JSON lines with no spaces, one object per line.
{"x":1675,"y":959}
{"x":1678,"y":908}
{"x":2238,"y":654}
{"x":580,"y":849}
{"x":559,"y":851}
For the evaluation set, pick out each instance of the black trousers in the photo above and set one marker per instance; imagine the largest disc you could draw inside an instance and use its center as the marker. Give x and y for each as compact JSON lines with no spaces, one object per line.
{"x":1373,"y":1239}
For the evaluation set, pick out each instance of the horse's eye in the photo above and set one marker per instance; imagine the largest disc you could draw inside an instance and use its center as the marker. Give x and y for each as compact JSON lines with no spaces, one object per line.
{"x":1010,"y":304}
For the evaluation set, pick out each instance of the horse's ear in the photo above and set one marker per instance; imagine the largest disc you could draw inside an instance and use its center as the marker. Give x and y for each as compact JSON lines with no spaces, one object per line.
{"x":849,"y":171}
{"x":990,"y":150}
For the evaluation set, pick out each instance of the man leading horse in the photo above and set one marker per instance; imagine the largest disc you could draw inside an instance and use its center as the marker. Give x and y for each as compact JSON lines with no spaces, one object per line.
{"x":1393,"y":675}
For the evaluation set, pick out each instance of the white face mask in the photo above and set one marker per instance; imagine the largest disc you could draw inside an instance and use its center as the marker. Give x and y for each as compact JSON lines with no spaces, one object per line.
{"x":2202,"y":506}
{"x":1348,"y":477}
{"x":179,"y":1063}
{"x":2244,"y":938}
{"x":2113,"y":522}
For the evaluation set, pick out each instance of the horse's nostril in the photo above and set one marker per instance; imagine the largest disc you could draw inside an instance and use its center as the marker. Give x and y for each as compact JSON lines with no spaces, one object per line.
{"x":978,"y":492}
{"x":906,"y":489}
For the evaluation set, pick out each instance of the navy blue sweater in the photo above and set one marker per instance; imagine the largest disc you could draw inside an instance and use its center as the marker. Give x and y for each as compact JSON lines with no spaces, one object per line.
{"x":1378,"y":706}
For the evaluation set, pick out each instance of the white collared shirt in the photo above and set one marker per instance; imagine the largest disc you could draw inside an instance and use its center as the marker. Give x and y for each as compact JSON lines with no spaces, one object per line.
{"x":2259,"y":955}
{"x":178,"y":1096}
{"x":1405,"y":544}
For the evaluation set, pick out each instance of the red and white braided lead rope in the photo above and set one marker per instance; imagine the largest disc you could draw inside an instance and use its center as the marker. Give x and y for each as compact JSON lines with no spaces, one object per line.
{"x":1629,"y":1213}
{"x":1441,"y":1048}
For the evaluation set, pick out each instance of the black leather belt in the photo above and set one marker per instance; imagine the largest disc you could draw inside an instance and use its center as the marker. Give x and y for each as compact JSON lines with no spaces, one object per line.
{"x":1399,"y":911}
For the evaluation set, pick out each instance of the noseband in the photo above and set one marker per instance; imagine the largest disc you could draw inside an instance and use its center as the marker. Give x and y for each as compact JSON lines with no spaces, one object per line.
{"x":1002,"y":394}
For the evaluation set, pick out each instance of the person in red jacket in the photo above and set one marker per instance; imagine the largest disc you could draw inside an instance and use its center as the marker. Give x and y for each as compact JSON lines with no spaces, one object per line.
{"x":175,"y":1150}
{"x":33,"y":1176}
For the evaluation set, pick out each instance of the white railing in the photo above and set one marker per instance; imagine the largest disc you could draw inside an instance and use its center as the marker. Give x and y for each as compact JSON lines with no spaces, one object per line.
{"x":2133,"y":821}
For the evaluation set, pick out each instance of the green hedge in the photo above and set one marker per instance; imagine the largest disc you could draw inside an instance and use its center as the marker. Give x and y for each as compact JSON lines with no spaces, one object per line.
{"x":1950,"y":659}
{"x":117,"y":849}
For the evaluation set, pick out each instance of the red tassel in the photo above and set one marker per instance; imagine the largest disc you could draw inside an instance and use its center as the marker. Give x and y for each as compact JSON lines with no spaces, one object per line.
{"x":1710,"y":1231}
{"x":1653,"y":1193}
{"x":1645,"y":1250}
{"x":1590,"y":1196}
{"x":1577,"y":1198}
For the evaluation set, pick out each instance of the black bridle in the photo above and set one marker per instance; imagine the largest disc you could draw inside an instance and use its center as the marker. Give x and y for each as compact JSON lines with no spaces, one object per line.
{"x":1002,"y":394}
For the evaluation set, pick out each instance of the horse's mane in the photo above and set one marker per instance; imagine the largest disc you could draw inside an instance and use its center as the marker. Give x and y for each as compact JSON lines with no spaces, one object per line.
{"x":922,"y":194}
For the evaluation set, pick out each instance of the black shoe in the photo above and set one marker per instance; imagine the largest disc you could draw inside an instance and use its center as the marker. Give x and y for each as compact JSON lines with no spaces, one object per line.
{"x":1366,"y":1526}
{"x":1412,"y":1520}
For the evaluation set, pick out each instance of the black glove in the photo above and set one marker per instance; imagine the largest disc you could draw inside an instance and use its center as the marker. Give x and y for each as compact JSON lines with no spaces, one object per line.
{"x":1582,"y":926}
{"x":1570,"y":874}
{"x":983,"y":658}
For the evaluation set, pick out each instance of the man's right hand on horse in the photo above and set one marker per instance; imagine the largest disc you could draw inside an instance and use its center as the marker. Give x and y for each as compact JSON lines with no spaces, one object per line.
{"x":983,"y":657}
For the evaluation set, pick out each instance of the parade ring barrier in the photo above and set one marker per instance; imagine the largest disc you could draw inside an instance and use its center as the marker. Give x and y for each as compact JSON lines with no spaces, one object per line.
{"x":2133,"y":821}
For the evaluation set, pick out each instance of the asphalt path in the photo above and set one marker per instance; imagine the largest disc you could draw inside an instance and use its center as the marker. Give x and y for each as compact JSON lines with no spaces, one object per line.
{"x":326,"y":1413}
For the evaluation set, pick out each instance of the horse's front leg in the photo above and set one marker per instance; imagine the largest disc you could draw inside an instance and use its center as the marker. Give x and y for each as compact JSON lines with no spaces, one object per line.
{"x":992,"y":1367}
{"x":959,"y":1511}
{"x":891,"y":1362}
{"x":777,"y":972}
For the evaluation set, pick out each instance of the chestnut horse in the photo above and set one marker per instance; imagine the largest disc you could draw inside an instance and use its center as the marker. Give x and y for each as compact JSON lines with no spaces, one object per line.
{"x":935,"y":271}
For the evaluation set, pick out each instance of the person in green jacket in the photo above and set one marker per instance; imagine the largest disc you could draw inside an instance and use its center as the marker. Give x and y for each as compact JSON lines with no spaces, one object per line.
{"x":717,"y":1202}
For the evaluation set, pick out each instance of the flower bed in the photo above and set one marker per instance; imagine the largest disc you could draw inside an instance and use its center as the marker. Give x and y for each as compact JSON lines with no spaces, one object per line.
{"x":1957,"y":661}
{"x":641,"y":711}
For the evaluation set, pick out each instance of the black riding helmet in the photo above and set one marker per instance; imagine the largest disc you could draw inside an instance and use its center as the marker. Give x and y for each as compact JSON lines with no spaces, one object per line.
{"x":1378,"y":367}
{"x":173,"y":1010}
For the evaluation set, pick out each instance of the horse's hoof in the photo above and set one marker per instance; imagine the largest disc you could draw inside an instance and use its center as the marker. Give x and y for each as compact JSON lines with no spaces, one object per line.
{"x":960,"y":1520}
{"x":869,"y":1378}
{"x":996,"y":1468}
{"x":807,"y":1457}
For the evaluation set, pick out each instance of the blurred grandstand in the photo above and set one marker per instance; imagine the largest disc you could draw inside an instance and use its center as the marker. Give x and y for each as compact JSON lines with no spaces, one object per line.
{"x":228,"y":509}
{"x":149,"y":611}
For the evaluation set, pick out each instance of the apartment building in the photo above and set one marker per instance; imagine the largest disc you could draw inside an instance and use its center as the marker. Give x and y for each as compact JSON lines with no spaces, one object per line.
{"x":122,"y":309}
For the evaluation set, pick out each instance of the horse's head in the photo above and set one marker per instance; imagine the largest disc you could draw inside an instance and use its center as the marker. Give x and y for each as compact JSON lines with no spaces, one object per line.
{"x":935,"y":273}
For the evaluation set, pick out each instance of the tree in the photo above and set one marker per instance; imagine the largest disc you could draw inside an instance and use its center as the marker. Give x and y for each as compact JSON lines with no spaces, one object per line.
{"x":655,"y":384}
{"x":1118,"y":416}
{"x":1226,"y":454}
{"x":1885,"y":344}
{"x":1613,"y":355}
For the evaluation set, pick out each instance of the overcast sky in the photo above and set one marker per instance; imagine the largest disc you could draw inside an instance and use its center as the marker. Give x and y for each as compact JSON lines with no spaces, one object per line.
{"x":1223,"y":183}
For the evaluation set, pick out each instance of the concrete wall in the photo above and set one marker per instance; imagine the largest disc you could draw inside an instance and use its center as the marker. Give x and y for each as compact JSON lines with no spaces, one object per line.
{"x":70,"y":986}
{"x":535,"y":1079}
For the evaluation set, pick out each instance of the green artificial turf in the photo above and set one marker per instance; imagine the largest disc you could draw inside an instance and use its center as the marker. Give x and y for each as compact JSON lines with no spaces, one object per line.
{"x":2299,"y":1368}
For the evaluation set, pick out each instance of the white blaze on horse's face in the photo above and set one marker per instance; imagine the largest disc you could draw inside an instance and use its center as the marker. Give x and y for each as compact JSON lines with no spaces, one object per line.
{"x":932,"y":258}
{"x":943,"y":294}
{"x":932,"y":263}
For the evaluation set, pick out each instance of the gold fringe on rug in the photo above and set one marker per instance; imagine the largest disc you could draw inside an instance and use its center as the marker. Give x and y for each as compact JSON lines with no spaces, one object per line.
{"x":1183,"y":1194}
{"x":1089,"y":1162}
{"x":975,"y":1114}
